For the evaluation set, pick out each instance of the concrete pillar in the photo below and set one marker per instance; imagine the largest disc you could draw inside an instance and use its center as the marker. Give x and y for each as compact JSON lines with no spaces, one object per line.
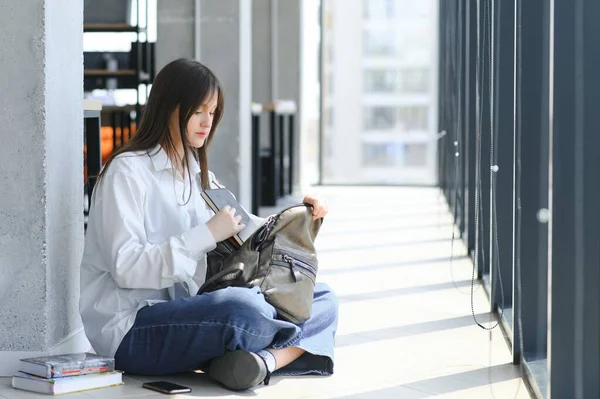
{"x":226,"y":48}
{"x":276,"y":50}
{"x":288,"y":47}
{"x":175,"y":31}
{"x":277,"y":61}
{"x":262,"y":65}
{"x":41,"y":178}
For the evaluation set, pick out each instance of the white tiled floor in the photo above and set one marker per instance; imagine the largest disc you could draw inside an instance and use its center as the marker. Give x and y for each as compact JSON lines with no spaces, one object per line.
{"x":405,"y":330}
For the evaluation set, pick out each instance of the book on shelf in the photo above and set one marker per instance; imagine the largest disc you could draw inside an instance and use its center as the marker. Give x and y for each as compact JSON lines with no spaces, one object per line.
{"x":67,"y":365}
{"x":217,"y":199}
{"x":62,"y":385}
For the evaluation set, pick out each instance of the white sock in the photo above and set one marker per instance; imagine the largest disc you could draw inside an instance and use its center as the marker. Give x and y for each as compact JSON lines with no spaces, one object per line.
{"x":269,"y":359}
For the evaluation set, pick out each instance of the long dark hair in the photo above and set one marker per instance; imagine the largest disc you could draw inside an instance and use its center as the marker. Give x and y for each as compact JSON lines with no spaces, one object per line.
{"x":184,"y":83}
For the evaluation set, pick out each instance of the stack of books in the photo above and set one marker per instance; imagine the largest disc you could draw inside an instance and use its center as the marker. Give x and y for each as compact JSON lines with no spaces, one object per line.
{"x":55,"y":375}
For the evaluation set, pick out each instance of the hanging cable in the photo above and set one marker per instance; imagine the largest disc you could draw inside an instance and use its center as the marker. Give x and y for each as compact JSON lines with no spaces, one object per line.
{"x":457,"y":155}
{"x":494,"y":168}
{"x":495,"y":250}
{"x":478,"y":204}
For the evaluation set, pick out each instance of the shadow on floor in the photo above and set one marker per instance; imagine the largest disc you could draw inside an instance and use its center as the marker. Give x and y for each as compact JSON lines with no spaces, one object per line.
{"x":447,"y":384}
{"x":404,"y":291}
{"x":391,"y":265}
{"x":412,"y":329}
{"x":342,"y":231}
{"x":385,"y":245}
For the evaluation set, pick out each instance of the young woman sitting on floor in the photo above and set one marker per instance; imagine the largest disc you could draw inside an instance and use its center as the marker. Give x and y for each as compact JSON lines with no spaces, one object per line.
{"x":148,"y":234}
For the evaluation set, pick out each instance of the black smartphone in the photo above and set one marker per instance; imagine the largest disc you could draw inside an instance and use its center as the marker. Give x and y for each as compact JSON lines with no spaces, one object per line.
{"x":166,"y":387}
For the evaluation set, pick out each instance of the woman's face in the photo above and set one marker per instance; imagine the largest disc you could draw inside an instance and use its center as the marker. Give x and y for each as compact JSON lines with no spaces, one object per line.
{"x":200,"y":123}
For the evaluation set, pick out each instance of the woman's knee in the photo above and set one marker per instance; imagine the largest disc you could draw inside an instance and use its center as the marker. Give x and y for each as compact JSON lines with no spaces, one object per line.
{"x":326,"y":300}
{"x":248,"y":320}
{"x":246,"y":302}
{"x":324,"y":292}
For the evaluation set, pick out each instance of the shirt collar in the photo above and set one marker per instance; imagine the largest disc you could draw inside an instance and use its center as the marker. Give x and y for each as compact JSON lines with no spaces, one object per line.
{"x":161,"y":161}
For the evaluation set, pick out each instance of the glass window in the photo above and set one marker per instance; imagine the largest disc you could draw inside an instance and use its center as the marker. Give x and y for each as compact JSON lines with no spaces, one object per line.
{"x":380,"y":118}
{"x":415,"y":155}
{"x":379,"y":9}
{"x":382,"y":154}
{"x":414,"y":80}
{"x":389,"y":109}
{"x":379,"y":43}
{"x":404,"y":119}
{"x":413,"y":118}
{"x":380,"y":81}
{"x":394,"y":154}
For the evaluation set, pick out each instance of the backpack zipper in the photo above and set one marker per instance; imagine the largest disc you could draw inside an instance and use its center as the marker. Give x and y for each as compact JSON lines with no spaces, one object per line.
{"x":303,"y":265}
{"x":266,"y":228}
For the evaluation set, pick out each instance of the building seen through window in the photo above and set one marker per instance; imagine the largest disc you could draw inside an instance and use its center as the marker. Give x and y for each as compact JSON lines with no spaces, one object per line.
{"x":382,"y":88}
{"x":400,"y":119}
{"x":393,"y":154}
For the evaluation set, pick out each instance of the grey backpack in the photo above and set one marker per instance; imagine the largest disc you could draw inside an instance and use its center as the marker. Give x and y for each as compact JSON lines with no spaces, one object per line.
{"x":280,"y":258}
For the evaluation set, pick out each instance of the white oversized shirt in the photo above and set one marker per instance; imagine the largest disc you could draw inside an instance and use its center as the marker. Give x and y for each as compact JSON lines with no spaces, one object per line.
{"x":144,"y":244}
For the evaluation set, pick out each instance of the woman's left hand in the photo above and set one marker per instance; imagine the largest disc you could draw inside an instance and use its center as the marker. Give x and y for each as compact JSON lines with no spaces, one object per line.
{"x":319,"y":206}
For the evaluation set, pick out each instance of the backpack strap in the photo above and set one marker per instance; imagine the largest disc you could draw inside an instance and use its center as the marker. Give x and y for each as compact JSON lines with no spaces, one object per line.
{"x":229,"y":274}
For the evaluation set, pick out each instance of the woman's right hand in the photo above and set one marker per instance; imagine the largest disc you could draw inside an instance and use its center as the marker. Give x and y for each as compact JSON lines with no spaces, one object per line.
{"x":225,"y":224}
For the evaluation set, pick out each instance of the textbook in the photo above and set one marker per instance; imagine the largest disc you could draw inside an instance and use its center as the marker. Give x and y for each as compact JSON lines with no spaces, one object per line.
{"x":217,"y":199}
{"x":66,"y":365}
{"x":57,"y":386}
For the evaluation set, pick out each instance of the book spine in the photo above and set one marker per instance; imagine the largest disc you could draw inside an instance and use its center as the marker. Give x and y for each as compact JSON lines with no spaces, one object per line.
{"x":81,"y":368}
{"x":238,"y":240}
{"x":213,"y":207}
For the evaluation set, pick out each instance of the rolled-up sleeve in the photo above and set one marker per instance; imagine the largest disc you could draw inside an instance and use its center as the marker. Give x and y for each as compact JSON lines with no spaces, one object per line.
{"x":136,"y":263}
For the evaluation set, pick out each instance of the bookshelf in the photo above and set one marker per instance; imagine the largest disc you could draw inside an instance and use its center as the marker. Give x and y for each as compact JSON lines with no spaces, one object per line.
{"x":111,"y":27}
{"x":116,"y":70}
{"x":105,"y":73}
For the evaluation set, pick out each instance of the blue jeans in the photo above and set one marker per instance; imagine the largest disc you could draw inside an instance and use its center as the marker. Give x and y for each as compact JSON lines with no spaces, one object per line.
{"x":186,"y":333}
